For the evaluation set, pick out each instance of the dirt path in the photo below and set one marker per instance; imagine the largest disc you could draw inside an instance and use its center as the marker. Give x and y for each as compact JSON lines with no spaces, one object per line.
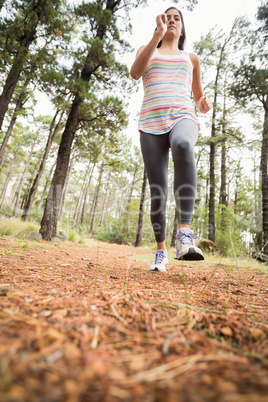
{"x":89,"y":322}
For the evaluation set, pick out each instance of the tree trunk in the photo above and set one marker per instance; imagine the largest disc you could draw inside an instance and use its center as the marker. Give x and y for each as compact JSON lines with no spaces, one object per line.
{"x":22,"y":180}
{"x":4,"y":189}
{"x":20,"y":102}
{"x":30,"y":181}
{"x":133,"y":183}
{"x":237,"y":179}
{"x":207,"y":190}
{"x":211,"y":203}
{"x":223,"y":195}
{"x":30,"y":199}
{"x":63,"y":199}
{"x":258,"y":196}
{"x":24,"y":198}
{"x":46,"y":185}
{"x":78,"y":207}
{"x":123,"y":202}
{"x":139,"y":234}
{"x":86,"y":195}
{"x":96,"y":198}
{"x":104,"y":201}
{"x":264,"y":180}
{"x":14,"y":193}
{"x":223,"y":190}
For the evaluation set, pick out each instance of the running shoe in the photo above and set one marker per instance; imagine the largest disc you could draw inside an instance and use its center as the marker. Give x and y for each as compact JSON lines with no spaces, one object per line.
{"x":185,"y":248}
{"x":160,"y":261}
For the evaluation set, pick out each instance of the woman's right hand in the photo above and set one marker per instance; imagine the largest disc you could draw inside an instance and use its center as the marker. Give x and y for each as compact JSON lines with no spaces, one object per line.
{"x":145,"y":53}
{"x":161,"y":24}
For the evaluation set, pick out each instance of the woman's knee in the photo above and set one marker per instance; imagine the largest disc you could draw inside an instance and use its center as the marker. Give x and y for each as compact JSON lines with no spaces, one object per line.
{"x":183,"y":149}
{"x":183,"y":138}
{"x":184,"y":145}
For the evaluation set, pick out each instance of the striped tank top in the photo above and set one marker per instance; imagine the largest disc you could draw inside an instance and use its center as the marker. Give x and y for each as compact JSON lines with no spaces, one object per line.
{"x":167,"y":84}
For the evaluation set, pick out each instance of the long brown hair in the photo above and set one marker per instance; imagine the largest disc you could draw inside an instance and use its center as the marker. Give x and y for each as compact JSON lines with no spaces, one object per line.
{"x":182,"y":39}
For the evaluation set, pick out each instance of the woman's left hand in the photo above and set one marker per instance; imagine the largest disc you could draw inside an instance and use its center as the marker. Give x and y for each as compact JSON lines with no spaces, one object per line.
{"x":204,"y":104}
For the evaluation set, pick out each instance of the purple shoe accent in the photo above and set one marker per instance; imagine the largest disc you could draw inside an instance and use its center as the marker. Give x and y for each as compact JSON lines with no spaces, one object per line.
{"x":160,"y":261}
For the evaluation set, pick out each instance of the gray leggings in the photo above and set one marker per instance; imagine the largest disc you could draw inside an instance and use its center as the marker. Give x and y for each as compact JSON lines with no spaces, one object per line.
{"x":155,"y":150}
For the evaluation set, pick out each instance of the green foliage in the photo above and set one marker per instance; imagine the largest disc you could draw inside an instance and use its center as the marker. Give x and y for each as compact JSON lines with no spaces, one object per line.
{"x":102,"y":116}
{"x":262,"y":17}
{"x":36,"y":214}
{"x":44,"y":17}
{"x":5,"y":251}
{"x":82,"y":240}
{"x":24,"y":246}
{"x":228,"y":232}
{"x":123,"y":230}
{"x":200,"y":220}
{"x":73,"y":236}
{"x":5,"y":233}
{"x":15,"y":227}
{"x":251,"y":81}
{"x":111,"y":232}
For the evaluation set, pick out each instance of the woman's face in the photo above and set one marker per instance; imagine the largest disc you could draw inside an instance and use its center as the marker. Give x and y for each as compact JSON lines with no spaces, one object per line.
{"x":174,"y":23}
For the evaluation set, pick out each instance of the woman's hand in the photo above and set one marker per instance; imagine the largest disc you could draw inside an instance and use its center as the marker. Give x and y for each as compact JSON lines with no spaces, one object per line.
{"x":161,"y":25}
{"x":145,"y":53}
{"x":204,"y":104}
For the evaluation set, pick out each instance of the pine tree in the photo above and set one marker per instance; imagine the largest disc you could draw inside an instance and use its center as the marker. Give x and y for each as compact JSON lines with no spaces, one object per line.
{"x":21,"y":31}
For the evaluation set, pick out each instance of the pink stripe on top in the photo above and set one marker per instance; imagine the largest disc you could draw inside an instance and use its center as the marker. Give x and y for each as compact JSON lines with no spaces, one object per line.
{"x":167,"y":84}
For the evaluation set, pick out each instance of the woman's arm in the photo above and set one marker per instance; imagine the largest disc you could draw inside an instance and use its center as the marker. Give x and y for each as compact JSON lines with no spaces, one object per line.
{"x":202,"y":102}
{"x":145,"y":53}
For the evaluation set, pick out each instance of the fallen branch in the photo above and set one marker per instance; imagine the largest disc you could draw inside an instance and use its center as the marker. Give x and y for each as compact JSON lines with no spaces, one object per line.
{"x":260,"y":257}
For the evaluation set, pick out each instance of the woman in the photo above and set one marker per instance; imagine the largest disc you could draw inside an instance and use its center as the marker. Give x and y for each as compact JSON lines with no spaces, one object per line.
{"x":167,"y":120}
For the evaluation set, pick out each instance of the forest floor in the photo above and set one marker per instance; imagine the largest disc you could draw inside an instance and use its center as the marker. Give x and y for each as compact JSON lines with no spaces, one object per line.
{"x":89,"y":322}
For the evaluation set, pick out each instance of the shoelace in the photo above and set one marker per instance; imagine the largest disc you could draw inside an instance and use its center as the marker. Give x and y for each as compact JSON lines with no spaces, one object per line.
{"x":159,"y":257}
{"x":188,"y":238}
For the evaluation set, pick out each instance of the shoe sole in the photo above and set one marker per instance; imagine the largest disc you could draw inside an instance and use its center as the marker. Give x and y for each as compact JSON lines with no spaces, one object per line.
{"x":157,"y":270}
{"x":191,"y":255}
{"x":160,"y":270}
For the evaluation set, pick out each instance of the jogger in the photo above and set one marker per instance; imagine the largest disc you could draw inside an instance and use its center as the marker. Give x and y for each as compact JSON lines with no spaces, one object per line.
{"x":167,"y":120}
